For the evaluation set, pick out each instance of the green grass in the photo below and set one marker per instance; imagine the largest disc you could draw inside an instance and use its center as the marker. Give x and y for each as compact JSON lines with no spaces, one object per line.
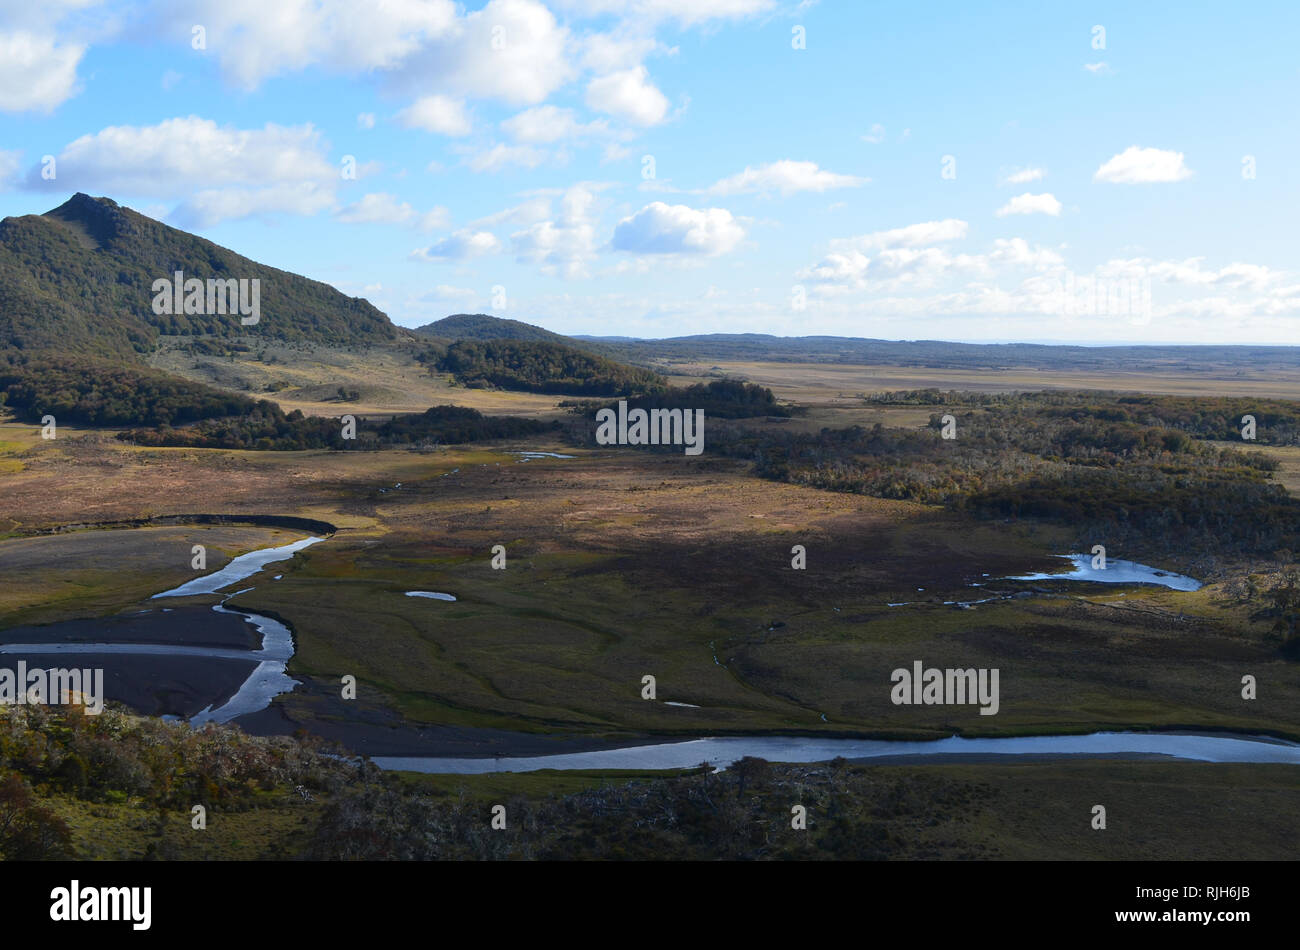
{"x":560,"y":641}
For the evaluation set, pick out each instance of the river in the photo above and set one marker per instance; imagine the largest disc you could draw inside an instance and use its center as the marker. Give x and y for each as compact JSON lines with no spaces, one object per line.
{"x":721,"y":752}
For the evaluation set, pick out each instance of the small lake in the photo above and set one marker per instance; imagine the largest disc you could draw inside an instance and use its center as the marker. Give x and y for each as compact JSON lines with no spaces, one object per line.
{"x":721,"y":752}
{"x":1116,"y":572}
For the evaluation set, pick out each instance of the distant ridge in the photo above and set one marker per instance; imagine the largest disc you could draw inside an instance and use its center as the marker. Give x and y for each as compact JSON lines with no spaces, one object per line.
{"x":938,"y":354}
{"x":78,"y":279}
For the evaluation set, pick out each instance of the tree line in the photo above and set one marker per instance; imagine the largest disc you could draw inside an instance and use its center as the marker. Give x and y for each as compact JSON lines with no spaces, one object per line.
{"x":720,"y":399}
{"x":268,"y":428}
{"x":94,"y":393}
{"x":1094,"y":467}
{"x":539,"y":367}
{"x":1277,"y":421}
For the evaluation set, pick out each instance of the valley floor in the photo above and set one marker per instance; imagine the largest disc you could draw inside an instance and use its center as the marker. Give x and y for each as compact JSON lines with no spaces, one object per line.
{"x":621,"y":565}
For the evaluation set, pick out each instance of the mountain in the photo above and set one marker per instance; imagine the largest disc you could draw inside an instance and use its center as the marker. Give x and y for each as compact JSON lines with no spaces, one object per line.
{"x":79,"y":279}
{"x":481,"y":326}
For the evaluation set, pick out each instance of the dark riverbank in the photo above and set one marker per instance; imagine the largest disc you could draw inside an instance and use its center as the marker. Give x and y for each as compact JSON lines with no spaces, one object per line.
{"x":150,"y":684}
{"x":290,"y":522}
{"x":193,"y":626}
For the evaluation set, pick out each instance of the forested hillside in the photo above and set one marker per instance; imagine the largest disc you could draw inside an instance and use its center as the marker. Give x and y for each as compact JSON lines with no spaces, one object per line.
{"x":79,"y":279}
{"x":482,"y":326}
{"x":540,"y":367}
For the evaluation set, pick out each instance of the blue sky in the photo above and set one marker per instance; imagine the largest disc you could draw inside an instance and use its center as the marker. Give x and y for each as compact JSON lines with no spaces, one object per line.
{"x":1044,"y":172}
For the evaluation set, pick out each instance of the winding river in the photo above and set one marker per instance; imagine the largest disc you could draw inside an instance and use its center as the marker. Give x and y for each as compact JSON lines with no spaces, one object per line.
{"x":246,"y":565}
{"x":721,"y":752}
{"x":269,"y":680}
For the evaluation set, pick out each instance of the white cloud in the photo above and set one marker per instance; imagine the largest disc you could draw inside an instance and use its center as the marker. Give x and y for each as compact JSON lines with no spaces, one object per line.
{"x":659,"y":228}
{"x":847,"y":267}
{"x":913,"y":235}
{"x":511,"y":50}
{"x":565,"y":245}
{"x":36,"y":73}
{"x":383,"y":208}
{"x":876,"y":135}
{"x":542,"y":125}
{"x":233,"y":169}
{"x":459,"y":245}
{"x":535,"y":208}
{"x":1031,"y":204}
{"x":1189,"y":300}
{"x":1017,"y":252}
{"x":450,"y":292}
{"x":365,"y":120}
{"x":212,"y":206}
{"x":1097,"y":68}
{"x":183,"y":153}
{"x":500,"y":156}
{"x":787,"y":177}
{"x":440,"y":114}
{"x":628,"y":95}
{"x":1023,"y":176}
{"x":685,"y":12}
{"x":610,"y":52}
{"x":254,"y":40}
{"x":904,"y":259}
{"x":21,"y":14}
{"x":1190,"y":272}
{"x":1136,"y":165}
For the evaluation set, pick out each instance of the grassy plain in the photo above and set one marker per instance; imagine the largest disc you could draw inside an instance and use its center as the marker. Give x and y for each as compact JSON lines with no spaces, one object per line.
{"x":834,"y":384}
{"x":622,"y":564}
{"x":387,"y":379}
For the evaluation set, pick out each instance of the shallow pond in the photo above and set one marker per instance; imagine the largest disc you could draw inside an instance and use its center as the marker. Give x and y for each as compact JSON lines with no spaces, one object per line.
{"x":1115,"y":572}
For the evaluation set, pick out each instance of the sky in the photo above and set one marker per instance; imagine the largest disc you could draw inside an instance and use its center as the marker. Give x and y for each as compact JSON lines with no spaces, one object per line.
{"x":1063,"y":172}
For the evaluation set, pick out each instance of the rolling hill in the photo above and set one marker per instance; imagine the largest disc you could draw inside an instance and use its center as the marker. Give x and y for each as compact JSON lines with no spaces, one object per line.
{"x":482,"y":326}
{"x":541,"y":367}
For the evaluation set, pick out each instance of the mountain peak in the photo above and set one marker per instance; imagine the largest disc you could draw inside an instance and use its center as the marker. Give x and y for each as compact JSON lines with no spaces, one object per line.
{"x":102,"y":219}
